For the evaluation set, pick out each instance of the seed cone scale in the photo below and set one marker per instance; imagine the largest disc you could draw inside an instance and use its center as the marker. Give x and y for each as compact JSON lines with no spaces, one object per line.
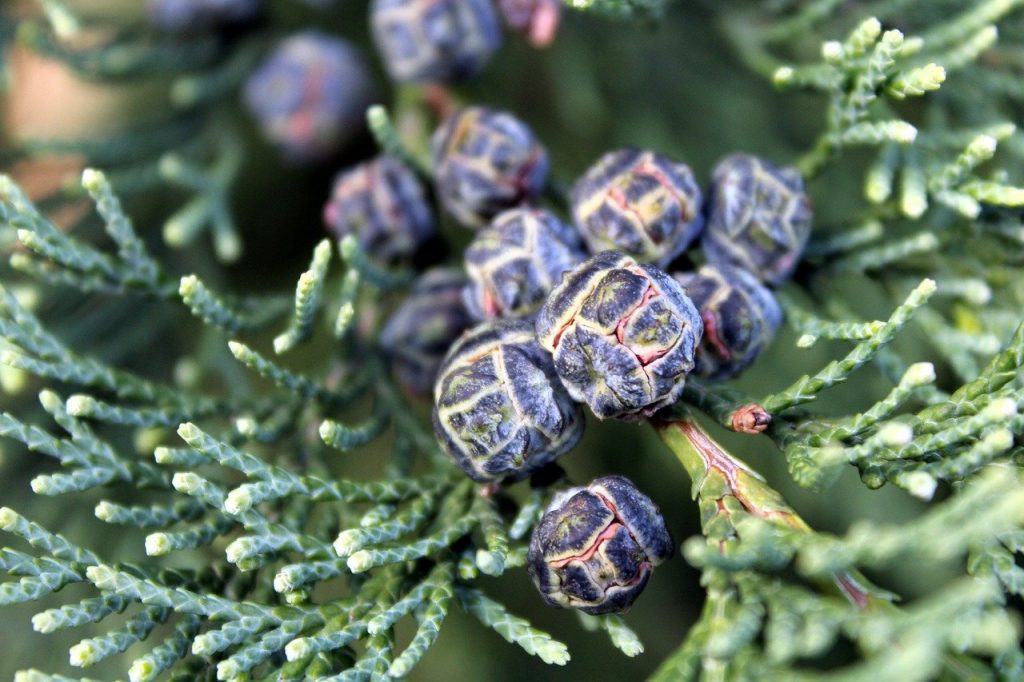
{"x":486,"y":161}
{"x":423,"y":328}
{"x":187,"y":16}
{"x":740,"y":315}
{"x":383,"y":203}
{"x":638,"y":202}
{"x":595,"y":547}
{"x":499,"y":409}
{"x":310,"y":95}
{"x":435,"y":40}
{"x":759,"y":217}
{"x":623,"y":335}
{"x":515,"y":261}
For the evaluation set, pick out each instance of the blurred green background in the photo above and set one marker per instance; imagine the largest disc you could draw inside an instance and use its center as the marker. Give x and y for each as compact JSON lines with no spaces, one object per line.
{"x":675,"y":87}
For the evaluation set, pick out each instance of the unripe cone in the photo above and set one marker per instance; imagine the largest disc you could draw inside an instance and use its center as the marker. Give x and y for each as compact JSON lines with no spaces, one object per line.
{"x":740,"y":318}
{"x":516,"y":260}
{"x":486,"y":161}
{"x":382,"y":202}
{"x":423,"y":328}
{"x":759,"y":217}
{"x":191,"y":15}
{"x":499,"y":409}
{"x":310,"y":94}
{"x":435,"y":40}
{"x":640,"y":203}
{"x":623,"y":335}
{"x":595,"y":547}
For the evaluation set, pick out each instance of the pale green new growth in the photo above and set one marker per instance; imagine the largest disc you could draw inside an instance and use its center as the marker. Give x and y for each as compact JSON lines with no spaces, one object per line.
{"x":513,"y":628}
{"x":308,"y":295}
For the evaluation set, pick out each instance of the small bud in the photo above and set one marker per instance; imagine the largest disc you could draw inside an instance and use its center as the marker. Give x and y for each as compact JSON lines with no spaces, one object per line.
{"x":360,"y":561}
{"x":911,"y":46}
{"x":28,"y":297}
{"x":806,"y":340}
{"x":82,"y":654}
{"x":488,"y":563}
{"x":378,"y":625}
{"x":145,"y":440}
{"x":80,"y":405}
{"x":873,"y":477}
{"x":203,"y":645}
{"x":227,"y":245}
{"x":240,"y":549}
{"x":348,"y":542}
{"x":238,"y":501}
{"x":186,"y":482}
{"x":228,"y":670}
{"x":10,"y":358}
{"x":1000,"y":409}
{"x":50,"y":401}
{"x":983,"y":146}
{"x":895,"y":434}
{"x":188,"y":285}
{"x":987,"y":344}
{"x":783,"y":75}
{"x":751,"y":419}
{"x":93,"y":179}
{"x":920,"y":484}
{"x":8,"y":517}
{"x":26,"y":237}
{"x":467,"y":569}
{"x":157,"y":544}
{"x":12,"y":380}
{"x":283,"y":582}
{"x":295,"y":597}
{"x":902,"y":132}
{"x":44,"y":622}
{"x":832,"y":51}
{"x":104,"y":510}
{"x":246,"y":426}
{"x":878,"y":186}
{"x":999,"y":440}
{"x":326,"y":430}
{"x":932,"y":76}
{"x":142,"y":670}
{"x":920,"y":374}
{"x":297,"y":649}
{"x":914,"y":204}
{"x":978,"y":293}
{"x":187,"y":373}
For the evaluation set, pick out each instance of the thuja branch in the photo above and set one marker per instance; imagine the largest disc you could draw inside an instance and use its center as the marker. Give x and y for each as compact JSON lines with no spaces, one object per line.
{"x":721,"y":479}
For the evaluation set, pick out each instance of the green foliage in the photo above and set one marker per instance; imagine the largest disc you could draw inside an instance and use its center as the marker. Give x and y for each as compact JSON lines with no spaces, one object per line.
{"x":310,"y":570}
